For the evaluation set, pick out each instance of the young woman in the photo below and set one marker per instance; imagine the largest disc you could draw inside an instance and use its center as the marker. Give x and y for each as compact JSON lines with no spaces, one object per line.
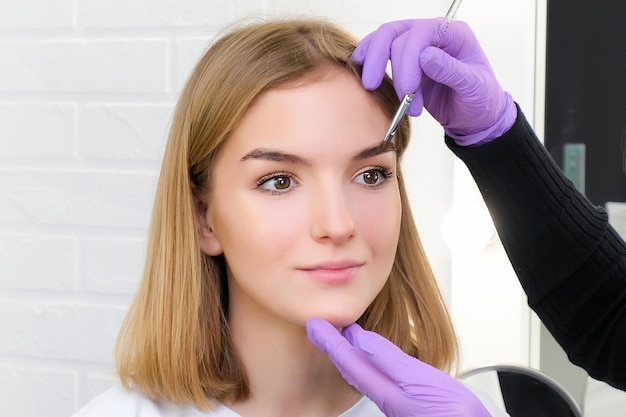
{"x":277,"y":204}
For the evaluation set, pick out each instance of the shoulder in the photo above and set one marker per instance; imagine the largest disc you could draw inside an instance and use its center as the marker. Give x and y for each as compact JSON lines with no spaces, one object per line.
{"x":120,"y":402}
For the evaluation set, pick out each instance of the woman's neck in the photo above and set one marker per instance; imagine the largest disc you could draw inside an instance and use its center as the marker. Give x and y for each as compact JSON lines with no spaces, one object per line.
{"x":288,"y":375}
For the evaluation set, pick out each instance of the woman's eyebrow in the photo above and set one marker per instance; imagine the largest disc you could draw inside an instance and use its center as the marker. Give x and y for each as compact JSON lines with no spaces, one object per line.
{"x":279,"y":156}
{"x":274,"y":155}
{"x":374,"y":151}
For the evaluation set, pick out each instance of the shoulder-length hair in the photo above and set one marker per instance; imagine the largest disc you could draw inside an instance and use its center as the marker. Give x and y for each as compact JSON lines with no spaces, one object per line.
{"x":175,"y":342}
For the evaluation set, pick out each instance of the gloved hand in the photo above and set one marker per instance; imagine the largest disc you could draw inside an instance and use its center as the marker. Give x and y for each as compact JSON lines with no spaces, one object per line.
{"x":459,"y":88}
{"x":401,"y":385}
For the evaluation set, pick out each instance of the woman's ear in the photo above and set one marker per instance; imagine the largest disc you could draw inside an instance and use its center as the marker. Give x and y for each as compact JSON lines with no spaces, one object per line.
{"x":209,"y":242}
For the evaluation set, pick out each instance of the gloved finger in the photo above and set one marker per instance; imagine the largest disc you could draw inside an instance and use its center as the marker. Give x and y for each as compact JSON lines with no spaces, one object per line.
{"x":405,"y":69}
{"x":360,"y":52}
{"x":406,"y":72}
{"x":458,"y":40}
{"x":351,"y":363}
{"x":413,"y":376}
{"x":376,"y":52}
{"x":408,"y":76}
{"x":405,"y":55}
{"x":417,"y":104}
{"x":387,"y":357}
{"x":323,"y":335}
{"x":326,"y":337}
{"x":445,"y":69}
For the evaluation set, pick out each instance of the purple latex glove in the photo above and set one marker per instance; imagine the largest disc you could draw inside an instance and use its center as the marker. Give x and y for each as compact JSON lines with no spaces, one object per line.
{"x":459,"y":88}
{"x":401,"y":385}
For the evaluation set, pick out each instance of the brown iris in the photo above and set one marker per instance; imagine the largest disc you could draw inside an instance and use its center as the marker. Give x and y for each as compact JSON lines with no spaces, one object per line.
{"x":371,"y":177}
{"x":282,"y":183}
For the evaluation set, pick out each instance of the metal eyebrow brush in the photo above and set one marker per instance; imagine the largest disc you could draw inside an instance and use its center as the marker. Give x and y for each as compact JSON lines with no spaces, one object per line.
{"x":406,"y":101}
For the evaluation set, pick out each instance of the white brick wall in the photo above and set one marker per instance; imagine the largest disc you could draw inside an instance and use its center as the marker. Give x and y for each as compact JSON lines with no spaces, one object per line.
{"x":87,"y":88}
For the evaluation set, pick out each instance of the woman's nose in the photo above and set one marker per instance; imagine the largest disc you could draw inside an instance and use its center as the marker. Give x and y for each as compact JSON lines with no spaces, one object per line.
{"x":333,"y":218}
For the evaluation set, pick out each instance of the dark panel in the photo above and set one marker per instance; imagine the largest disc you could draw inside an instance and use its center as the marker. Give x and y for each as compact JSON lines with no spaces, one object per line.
{"x":586,"y":90}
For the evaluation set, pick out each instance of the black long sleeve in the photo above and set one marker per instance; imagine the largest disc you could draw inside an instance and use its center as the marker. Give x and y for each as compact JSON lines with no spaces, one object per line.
{"x":569,"y":260}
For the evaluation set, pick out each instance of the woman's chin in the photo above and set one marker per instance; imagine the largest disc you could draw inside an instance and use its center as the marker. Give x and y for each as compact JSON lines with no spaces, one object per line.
{"x":339,"y":320}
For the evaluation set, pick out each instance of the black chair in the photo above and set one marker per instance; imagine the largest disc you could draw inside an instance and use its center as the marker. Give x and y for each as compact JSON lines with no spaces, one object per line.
{"x":523,"y":391}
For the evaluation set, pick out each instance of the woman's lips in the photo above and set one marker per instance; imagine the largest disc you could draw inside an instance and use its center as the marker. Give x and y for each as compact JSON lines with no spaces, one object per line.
{"x":333,"y":272}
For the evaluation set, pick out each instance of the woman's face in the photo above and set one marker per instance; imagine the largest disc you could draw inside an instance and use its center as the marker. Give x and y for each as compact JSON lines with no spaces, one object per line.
{"x":304,"y":204}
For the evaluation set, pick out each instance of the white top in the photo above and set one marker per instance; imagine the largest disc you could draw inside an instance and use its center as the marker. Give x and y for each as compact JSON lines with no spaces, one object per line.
{"x":120,"y":402}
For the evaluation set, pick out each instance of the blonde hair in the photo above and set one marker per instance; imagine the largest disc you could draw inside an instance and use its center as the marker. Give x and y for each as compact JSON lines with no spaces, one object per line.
{"x":175,"y":342}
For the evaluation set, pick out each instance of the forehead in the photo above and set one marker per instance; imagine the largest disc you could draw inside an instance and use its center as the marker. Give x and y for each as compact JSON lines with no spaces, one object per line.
{"x":330,"y":108}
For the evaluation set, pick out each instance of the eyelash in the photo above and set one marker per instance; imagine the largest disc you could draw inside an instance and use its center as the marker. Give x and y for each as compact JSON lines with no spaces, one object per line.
{"x":266,"y":178}
{"x":385,"y":172}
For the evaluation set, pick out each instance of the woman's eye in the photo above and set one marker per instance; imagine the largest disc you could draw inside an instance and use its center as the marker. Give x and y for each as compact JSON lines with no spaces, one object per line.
{"x":373,"y":176}
{"x":276,"y":183}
